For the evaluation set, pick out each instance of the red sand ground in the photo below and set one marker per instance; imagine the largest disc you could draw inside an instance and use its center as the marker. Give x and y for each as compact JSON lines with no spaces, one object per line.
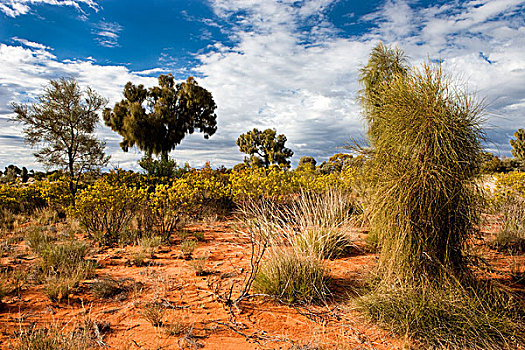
{"x":195,"y":301}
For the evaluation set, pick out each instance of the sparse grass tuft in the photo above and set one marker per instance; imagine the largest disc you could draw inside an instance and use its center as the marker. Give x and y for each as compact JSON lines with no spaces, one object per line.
{"x":154,"y":313}
{"x":325,"y":243}
{"x":292,"y":277}
{"x":62,"y":265}
{"x":38,"y":238}
{"x":64,"y":257}
{"x":321,"y":222}
{"x":176,"y":328}
{"x":53,"y":339}
{"x":106,"y":287}
{"x":187,"y":248}
{"x":511,"y":237}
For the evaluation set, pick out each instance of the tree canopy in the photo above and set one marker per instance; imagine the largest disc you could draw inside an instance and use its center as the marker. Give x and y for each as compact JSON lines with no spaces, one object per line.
{"x":518,"y":145}
{"x":157,"y":119}
{"x":264,"y":148}
{"x":62,"y":125}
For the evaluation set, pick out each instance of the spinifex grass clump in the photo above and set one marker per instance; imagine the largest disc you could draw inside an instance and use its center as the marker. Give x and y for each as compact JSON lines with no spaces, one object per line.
{"x":425,"y":138}
{"x":321,"y":224}
{"x":293,"y":277}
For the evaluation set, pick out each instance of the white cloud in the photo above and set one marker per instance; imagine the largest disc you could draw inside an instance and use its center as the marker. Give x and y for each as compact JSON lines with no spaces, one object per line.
{"x":15,"y":8}
{"x":303,"y":82}
{"x":107,"y":33}
{"x":289,"y":68}
{"x":31,"y":44}
{"x":26,"y":70}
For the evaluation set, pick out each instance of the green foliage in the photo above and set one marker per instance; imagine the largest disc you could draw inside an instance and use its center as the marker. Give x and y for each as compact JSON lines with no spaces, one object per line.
{"x":339,"y":162}
{"x":165,"y":167}
{"x":384,"y":65}
{"x":425,"y":137}
{"x":293,"y":277}
{"x":448,"y":317}
{"x":518,"y":145}
{"x":490,"y":164}
{"x":426,"y":142}
{"x":307,"y":162}
{"x":264,"y":148}
{"x":106,"y":209}
{"x":63,"y":124}
{"x":157,"y":119}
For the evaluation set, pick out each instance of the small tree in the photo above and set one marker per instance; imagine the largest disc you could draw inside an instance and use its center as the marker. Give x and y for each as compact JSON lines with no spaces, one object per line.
{"x":518,"y":145}
{"x":62,"y":126}
{"x":264,"y":148}
{"x":307,"y":162}
{"x":156,"y":120}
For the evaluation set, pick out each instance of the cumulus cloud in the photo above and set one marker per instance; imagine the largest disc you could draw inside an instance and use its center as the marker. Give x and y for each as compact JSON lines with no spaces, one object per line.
{"x":292,"y":70}
{"x":27,"y":68}
{"x":286,"y":66}
{"x":15,"y":8}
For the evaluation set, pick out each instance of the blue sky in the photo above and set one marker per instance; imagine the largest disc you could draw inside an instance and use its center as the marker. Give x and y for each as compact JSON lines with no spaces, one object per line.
{"x":290,"y":65}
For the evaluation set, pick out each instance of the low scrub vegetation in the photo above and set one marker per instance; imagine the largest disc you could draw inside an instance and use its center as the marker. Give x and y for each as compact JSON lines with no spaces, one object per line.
{"x":293,"y":277}
{"x":62,"y":264}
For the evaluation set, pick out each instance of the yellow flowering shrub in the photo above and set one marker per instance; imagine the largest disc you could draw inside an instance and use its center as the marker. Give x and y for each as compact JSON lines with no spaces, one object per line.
{"x":273,"y":182}
{"x":187,"y":197}
{"x":169,"y":205}
{"x":105,"y":210}
{"x":212,"y":188}
{"x":509,"y":185}
{"x":56,"y":193}
{"x":280,"y":184}
{"x":20,"y":197}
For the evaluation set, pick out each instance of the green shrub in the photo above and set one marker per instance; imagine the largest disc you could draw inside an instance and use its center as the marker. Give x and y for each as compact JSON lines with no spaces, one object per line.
{"x":292,"y":277}
{"x":106,"y":209}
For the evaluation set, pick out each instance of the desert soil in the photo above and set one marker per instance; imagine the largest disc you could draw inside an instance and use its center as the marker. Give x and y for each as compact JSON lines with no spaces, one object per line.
{"x":197,"y":304}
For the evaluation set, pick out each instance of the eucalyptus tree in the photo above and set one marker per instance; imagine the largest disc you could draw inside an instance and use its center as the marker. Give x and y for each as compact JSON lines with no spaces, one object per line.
{"x":61,"y":125}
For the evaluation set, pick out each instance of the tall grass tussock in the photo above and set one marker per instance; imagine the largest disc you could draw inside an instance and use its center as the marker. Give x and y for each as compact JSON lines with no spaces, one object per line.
{"x":425,"y":138}
{"x":297,"y":235}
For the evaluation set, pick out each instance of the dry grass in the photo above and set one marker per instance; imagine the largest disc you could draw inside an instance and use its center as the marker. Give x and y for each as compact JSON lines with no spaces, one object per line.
{"x":293,"y":277}
{"x":426,"y":142}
